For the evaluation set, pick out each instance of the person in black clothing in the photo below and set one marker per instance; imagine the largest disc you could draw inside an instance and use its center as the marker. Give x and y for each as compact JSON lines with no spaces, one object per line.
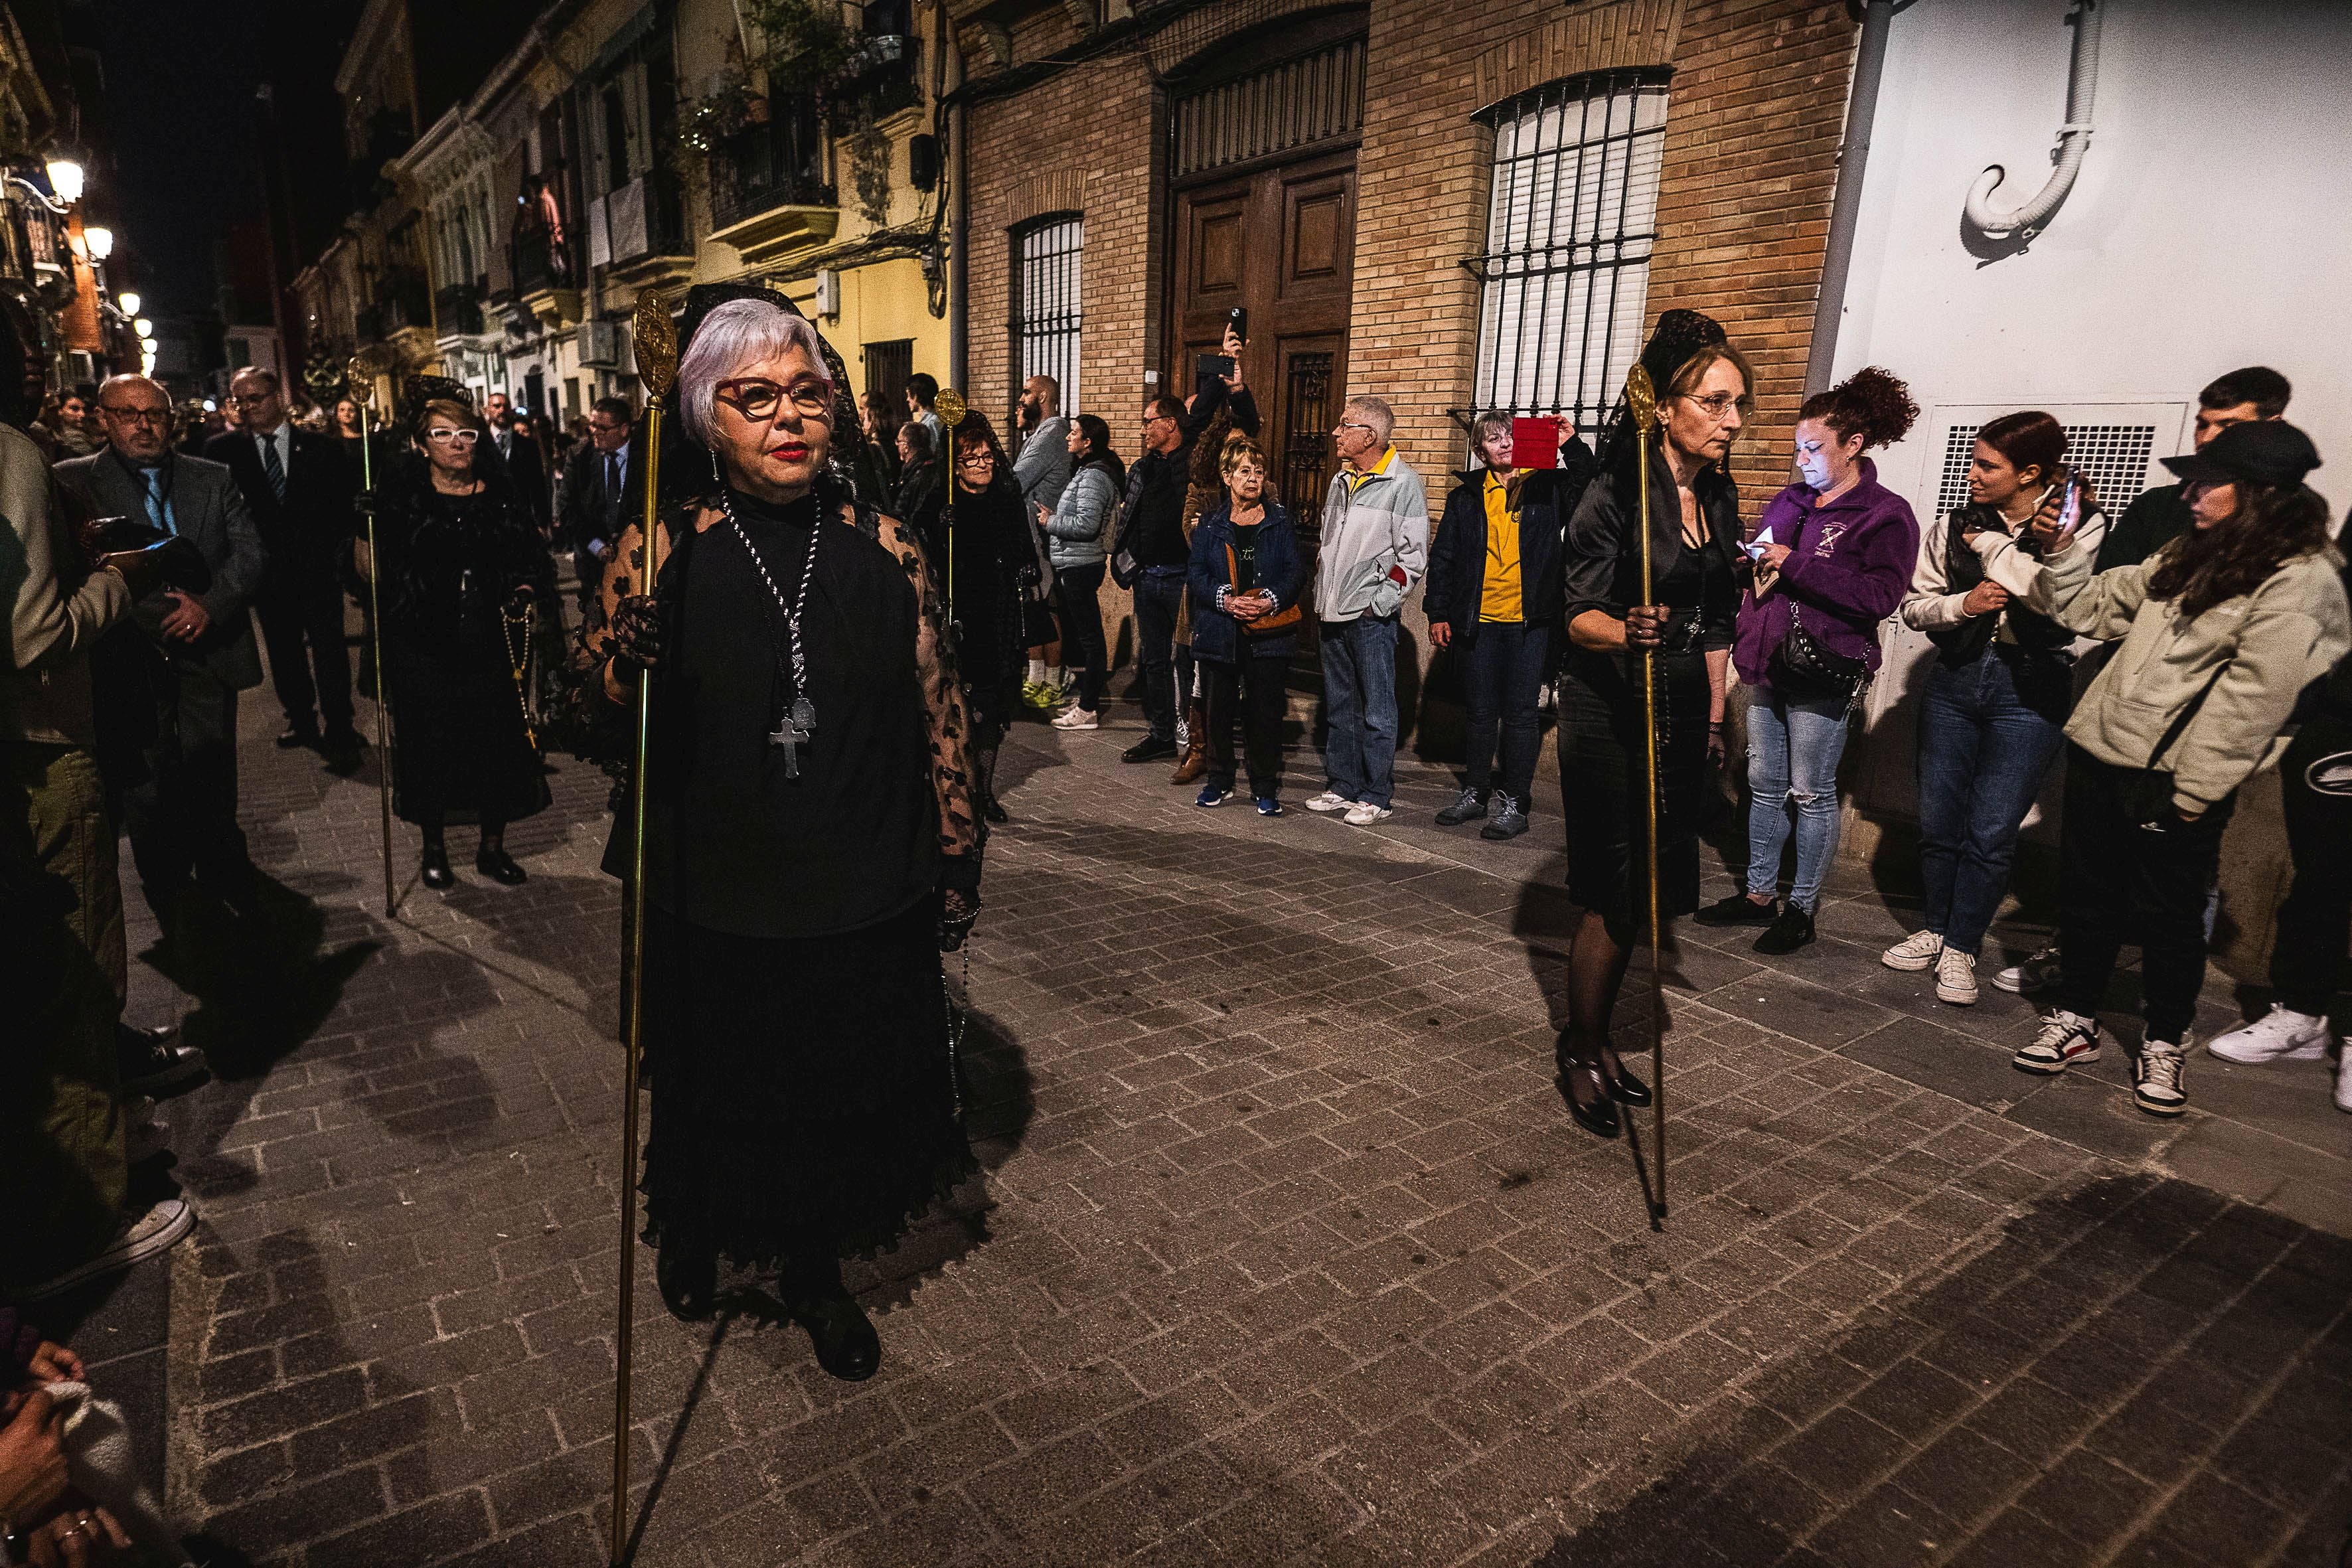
{"x":1703,"y":393}
{"x":459,"y":558}
{"x":603,"y":485}
{"x":526,"y":463}
{"x":1154,"y":534}
{"x":300,"y":487}
{"x":811,"y":847}
{"x":1246,"y":574}
{"x":2157,"y":517}
{"x":981,"y":540}
{"x":1493,"y":597}
{"x":921,"y":489}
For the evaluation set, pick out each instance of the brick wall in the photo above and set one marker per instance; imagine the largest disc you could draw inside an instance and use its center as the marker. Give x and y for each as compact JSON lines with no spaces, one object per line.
{"x":1756,"y":110}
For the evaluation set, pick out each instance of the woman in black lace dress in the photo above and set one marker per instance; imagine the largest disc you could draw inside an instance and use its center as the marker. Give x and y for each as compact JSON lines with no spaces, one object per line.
{"x":461,"y":560}
{"x":810,"y":843}
{"x":983,"y":535}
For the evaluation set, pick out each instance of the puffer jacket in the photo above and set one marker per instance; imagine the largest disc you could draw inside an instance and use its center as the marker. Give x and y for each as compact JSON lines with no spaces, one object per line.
{"x":1079,"y":531}
{"x":2267,"y":645}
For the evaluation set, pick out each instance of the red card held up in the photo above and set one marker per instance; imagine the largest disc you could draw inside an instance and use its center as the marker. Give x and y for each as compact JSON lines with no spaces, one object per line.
{"x":1535,"y":443}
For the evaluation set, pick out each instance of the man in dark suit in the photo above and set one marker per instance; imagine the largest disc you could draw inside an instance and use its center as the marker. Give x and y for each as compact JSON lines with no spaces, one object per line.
{"x":601,"y":490}
{"x":510,"y":434}
{"x":174,"y":674}
{"x":300,"y":487}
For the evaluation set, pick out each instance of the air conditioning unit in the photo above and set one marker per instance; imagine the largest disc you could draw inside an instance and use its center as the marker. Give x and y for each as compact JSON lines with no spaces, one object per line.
{"x":600,"y":343}
{"x":828,"y":293}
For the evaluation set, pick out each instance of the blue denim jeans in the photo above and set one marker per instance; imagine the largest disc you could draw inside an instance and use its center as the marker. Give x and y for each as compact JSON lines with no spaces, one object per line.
{"x":1983,"y":756}
{"x":1359,"y":706}
{"x":1167,"y":669}
{"x":1793,"y":747}
{"x":1504,"y":671}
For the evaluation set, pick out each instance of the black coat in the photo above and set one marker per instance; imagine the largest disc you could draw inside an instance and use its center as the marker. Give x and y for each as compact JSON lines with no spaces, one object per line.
{"x":1601,"y":555}
{"x":310,"y":531}
{"x":528,"y":469}
{"x":1457,"y":557}
{"x":588,"y":511}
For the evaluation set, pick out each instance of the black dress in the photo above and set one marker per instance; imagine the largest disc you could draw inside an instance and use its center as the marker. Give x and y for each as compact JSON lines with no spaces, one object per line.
{"x":985,"y":538}
{"x":450,"y":566}
{"x":1603,"y":758}
{"x":803,"y":1094}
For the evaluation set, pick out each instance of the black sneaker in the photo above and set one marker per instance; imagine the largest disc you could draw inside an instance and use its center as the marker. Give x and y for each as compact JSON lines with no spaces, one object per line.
{"x":1738,"y":910}
{"x":1469,"y":806}
{"x":1792,"y":930}
{"x":1510,"y":819}
{"x":1151,"y":749}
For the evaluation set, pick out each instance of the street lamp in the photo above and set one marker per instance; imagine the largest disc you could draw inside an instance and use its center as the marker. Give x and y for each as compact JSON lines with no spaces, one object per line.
{"x":143,"y":327}
{"x":101,"y":242}
{"x":129,"y":301}
{"x":65,"y":178}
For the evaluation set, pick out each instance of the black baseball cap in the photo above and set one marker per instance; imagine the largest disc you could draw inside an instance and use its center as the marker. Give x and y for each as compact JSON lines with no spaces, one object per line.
{"x":2267,"y":451}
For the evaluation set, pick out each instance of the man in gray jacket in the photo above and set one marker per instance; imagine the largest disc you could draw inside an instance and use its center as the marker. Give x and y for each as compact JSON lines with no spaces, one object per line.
{"x":1375,"y":548}
{"x":177,"y":673}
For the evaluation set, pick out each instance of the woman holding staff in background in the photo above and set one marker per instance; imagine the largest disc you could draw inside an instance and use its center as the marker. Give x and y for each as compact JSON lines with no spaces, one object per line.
{"x":1703,"y":394}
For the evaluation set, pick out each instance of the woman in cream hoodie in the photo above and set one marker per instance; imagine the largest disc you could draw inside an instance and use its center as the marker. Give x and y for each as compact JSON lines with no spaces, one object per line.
{"x":2221,"y":632}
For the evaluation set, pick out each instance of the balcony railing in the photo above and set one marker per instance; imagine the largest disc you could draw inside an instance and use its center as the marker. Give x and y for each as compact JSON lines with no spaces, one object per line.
{"x":458,"y":306}
{"x":405,"y":300}
{"x":537,"y":264}
{"x":779,"y":164}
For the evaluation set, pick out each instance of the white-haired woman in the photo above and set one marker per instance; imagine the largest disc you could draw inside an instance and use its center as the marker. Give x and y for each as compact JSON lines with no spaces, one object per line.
{"x":810,"y":843}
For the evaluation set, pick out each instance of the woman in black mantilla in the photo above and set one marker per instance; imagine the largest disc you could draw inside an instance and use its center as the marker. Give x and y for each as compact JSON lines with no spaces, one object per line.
{"x":810,"y":843}
{"x":984,"y":535}
{"x":460,"y":558}
{"x":1696,"y":574}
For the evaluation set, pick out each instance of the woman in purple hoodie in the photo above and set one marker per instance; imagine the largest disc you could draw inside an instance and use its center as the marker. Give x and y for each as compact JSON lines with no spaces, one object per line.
{"x":1833,"y":556}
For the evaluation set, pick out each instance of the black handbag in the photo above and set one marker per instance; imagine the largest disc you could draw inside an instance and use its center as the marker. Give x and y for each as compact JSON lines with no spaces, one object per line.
{"x":1804,"y":668}
{"x":2147,"y":792}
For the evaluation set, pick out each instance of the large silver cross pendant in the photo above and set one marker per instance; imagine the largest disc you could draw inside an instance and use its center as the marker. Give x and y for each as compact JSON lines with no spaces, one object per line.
{"x":793,"y":732}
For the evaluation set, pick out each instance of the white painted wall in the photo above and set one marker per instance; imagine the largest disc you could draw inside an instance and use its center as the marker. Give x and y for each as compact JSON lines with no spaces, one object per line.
{"x":2211,"y":228}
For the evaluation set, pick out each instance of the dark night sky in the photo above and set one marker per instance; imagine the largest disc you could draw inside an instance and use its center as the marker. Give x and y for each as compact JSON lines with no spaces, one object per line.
{"x":182,"y":140}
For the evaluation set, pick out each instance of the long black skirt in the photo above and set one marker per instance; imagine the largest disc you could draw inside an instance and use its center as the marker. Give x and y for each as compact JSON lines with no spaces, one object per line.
{"x":804,"y":1096}
{"x":460,"y":749}
{"x":1602,"y":762}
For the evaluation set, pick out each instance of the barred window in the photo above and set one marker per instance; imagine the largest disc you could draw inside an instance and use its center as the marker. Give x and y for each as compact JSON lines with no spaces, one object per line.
{"x":1046,"y":304}
{"x":1572,"y":219}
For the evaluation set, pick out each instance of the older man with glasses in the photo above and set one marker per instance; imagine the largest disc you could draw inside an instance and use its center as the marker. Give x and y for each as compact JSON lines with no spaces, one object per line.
{"x":1375,"y":548}
{"x":170,"y":689}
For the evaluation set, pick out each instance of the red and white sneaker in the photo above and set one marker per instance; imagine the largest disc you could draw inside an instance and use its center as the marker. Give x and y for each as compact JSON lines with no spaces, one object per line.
{"x":2064,"y":1039}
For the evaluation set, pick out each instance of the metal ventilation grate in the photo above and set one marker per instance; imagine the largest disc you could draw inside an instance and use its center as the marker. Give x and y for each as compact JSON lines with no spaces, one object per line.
{"x":2113,"y":456}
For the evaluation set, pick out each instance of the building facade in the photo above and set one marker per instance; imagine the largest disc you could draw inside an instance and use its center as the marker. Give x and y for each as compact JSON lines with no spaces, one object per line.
{"x":1450,"y":209}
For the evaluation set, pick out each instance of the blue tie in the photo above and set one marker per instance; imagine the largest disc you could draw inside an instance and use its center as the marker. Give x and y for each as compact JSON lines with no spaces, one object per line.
{"x":159,"y":511}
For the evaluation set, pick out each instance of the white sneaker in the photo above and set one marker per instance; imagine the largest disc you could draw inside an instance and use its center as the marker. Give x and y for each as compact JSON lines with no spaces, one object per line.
{"x":1363,"y":814}
{"x":2156,"y":1078}
{"x":1956,"y":977}
{"x":2280,"y":1034}
{"x":1330,"y":800}
{"x":1914,"y":952}
{"x":1077,"y":719}
{"x":155,"y":1231}
{"x":2038,"y":973}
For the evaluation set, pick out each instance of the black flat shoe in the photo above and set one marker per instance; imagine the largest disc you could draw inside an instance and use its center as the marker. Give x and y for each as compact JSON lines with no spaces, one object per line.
{"x":1738,"y":910}
{"x":500,"y":867}
{"x":995,"y":813}
{"x":689,"y":1282}
{"x":1622,"y":1086}
{"x":1792,"y":930}
{"x":433,"y":866}
{"x":1598,"y":1115}
{"x":842,"y":1335}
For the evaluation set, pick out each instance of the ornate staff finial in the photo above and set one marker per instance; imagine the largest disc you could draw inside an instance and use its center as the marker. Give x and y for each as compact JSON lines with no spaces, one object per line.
{"x":951,"y":407}
{"x":656,"y":342}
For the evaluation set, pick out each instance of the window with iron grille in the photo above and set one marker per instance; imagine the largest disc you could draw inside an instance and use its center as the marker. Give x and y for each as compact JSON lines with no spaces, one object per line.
{"x":1045,"y":303}
{"x":2113,"y":457}
{"x":1570,"y":221}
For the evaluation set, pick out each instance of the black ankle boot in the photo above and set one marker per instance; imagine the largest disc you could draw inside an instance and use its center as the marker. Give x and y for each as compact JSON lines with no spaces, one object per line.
{"x":688,"y":1281}
{"x":493,"y":861}
{"x":434,"y":865}
{"x":839,"y":1331}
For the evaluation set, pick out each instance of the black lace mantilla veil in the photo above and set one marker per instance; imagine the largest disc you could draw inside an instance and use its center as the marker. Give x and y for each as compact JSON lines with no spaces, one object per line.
{"x":685,"y":470}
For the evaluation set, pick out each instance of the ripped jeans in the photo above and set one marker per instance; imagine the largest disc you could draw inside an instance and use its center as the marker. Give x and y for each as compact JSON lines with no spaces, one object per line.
{"x":1793,"y":747}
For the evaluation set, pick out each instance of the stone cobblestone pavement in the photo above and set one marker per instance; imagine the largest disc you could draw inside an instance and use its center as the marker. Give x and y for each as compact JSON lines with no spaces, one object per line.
{"x":1285,"y":1248}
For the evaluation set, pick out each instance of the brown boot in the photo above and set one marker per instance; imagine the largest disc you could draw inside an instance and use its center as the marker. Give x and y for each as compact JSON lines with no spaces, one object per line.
{"x":1193,"y":760}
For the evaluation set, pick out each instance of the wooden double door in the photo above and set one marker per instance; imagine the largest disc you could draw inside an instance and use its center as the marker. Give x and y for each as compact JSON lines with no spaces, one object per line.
{"x":1281,"y":241}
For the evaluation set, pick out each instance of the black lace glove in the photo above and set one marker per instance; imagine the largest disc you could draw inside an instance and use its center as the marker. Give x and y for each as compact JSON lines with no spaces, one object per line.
{"x":637,"y":638}
{"x":958,"y":899}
